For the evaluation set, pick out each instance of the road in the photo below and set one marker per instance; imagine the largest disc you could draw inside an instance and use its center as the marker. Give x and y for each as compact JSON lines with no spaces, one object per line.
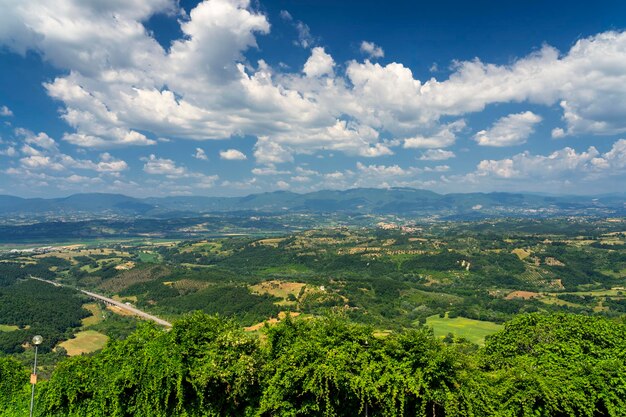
{"x":130,"y":309}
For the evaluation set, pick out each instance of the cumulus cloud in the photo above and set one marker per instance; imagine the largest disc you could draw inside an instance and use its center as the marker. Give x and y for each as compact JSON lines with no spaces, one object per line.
{"x":269,"y":170}
{"x":41,"y":152}
{"x":319,"y":63}
{"x":510,"y":130}
{"x":200,"y":154}
{"x":40,"y":140}
{"x":121,"y":88}
{"x":565,"y":163}
{"x":283,"y":185}
{"x":558,"y":133}
{"x":5,"y":111}
{"x":372,"y":50}
{"x":383,"y":170}
{"x":108,"y":163}
{"x":444,"y":137}
{"x":10,"y":152}
{"x":437,"y":155}
{"x":269,"y":152}
{"x":233,"y":155}
{"x":162,"y":166}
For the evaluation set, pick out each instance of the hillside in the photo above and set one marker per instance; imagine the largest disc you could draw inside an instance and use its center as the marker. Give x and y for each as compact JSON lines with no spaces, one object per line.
{"x":393,"y":201}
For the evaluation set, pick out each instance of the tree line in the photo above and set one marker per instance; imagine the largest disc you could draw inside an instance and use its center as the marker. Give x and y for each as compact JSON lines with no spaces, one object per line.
{"x":538,"y":365}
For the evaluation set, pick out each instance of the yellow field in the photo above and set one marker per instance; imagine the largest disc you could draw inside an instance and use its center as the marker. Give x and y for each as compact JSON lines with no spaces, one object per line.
{"x":97,"y":315}
{"x":7,"y":328}
{"x":119,"y":311}
{"x":84,"y":342}
{"x":278,"y":289}
{"x":521,"y":253}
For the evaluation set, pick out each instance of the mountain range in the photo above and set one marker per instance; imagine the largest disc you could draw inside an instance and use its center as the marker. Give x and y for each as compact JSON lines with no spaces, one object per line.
{"x":391,"y":201}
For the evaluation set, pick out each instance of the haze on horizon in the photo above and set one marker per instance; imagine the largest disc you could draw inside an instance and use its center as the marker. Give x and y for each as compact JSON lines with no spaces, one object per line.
{"x":232,"y":97}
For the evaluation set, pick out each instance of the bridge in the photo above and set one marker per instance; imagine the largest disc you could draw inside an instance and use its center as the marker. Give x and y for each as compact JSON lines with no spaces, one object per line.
{"x":111,"y":302}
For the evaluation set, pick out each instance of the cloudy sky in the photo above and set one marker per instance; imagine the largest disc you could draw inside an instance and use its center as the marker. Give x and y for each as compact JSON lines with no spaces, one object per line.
{"x":231,"y":97}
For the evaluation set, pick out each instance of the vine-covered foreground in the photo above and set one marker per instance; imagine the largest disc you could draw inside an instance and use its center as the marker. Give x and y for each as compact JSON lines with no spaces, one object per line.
{"x":539,"y":365}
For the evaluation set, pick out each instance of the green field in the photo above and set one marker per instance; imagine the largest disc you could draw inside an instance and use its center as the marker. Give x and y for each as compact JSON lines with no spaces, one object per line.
{"x":473,"y":330}
{"x":85,"y":342}
{"x":149,"y":257}
{"x":7,"y":328}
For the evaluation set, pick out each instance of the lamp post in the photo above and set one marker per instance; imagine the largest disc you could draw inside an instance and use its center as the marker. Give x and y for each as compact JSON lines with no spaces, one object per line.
{"x":33,"y":377}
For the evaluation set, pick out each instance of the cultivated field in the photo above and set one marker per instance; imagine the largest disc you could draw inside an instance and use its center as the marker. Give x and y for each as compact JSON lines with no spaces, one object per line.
{"x":473,"y":330}
{"x":84,"y":342}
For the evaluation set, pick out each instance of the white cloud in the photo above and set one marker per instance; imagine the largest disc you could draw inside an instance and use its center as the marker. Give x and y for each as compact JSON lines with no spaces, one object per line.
{"x":108,"y":163}
{"x":385,"y":170}
{"x":10,"y":152}
{"x":162,"y":166}
{"x":438,"y":168}
{"x":5,"y":111}
{"x":444,"y":137}
{"x":122,"y":88}
{"x":510,"y":130}
{"x":269,"y":170}
{"x":558,"y":133}
{"x":372,"y":50}
{"x":305,"y":39}
{"x":437,"y":155}
{"x":233,"y":155}
{"x":268,"y":152}
{"x":41,"y":153}
{"x":301,"y":178}
{"x":319,"y":63}
{"x":200,"y":154}
{"x":565,"y":163}
{"x":40,"y":140}
{"x":40,"y":162}
{"x":283,"y":185}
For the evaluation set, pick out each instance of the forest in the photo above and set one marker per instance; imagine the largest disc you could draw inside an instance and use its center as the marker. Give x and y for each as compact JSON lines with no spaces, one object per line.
{"x":539,"y":364}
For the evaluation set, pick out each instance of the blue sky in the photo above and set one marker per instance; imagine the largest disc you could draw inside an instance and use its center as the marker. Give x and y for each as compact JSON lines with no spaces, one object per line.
{"x":231,"y":97}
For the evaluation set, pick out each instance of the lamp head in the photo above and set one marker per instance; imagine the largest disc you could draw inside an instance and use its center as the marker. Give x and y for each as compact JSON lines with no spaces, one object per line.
{"x":37,"y":340}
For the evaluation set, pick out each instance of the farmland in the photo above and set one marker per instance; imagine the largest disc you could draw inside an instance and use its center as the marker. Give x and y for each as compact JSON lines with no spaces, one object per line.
{"x":464,"y":278}
{"x":473,"y":330}
{"x":87,"y":341}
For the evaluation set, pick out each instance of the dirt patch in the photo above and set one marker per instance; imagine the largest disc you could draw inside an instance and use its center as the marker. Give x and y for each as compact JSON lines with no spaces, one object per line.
{"x":125,"y":266}
{"x":119,"y":311}
{"x":525,"y":295}
{"x":278,"y":289}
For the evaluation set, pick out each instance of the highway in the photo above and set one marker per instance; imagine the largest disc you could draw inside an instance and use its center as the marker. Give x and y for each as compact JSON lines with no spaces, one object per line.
{"x":130,"y":309}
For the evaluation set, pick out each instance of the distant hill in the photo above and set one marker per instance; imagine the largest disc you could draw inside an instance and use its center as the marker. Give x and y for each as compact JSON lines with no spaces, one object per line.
{"x":391,"y":201}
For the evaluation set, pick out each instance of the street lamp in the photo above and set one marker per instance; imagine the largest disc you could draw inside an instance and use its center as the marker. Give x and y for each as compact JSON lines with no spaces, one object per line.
{"x":33,"y":377}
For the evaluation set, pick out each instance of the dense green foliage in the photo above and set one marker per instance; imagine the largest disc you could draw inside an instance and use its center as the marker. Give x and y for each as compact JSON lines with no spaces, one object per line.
{"x":13,"y":388}
{"x":38,"y":308}
{"x":539,"y":365}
